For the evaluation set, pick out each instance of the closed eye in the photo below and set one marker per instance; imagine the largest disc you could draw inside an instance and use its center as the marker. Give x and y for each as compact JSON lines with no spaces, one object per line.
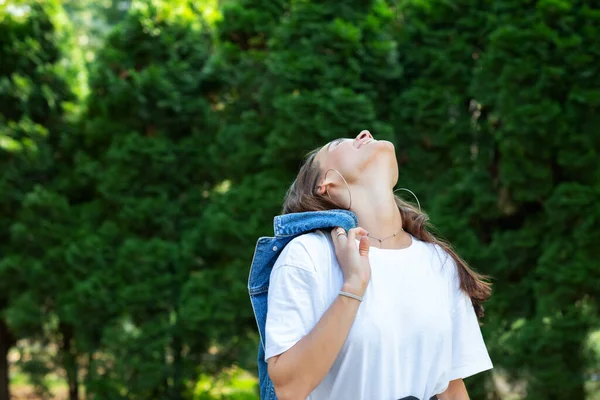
{"x":334,"y":142}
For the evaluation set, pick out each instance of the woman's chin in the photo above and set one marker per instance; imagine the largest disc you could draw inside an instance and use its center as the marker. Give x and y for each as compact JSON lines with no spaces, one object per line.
{"x":382,"y":153}
{"x":386,"y":144}
{"x":383,"y":146}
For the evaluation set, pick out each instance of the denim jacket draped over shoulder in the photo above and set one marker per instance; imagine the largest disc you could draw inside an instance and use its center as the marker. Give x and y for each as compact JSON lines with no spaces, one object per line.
{"x":286,"y":227}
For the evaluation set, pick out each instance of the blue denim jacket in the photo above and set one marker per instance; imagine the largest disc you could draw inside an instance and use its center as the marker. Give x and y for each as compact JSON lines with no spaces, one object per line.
{"x":287,"y":227}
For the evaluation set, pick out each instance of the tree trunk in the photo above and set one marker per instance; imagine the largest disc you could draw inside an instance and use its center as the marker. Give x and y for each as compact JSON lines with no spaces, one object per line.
{"x":89,"y":376}
{"x":6,"y":342}
{"x":177,"y":365}
{"x":177,"y":342}
{"x":70,"y":361}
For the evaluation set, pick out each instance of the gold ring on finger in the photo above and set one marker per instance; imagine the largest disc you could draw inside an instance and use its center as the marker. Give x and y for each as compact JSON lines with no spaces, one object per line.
{"x":340,"y":233}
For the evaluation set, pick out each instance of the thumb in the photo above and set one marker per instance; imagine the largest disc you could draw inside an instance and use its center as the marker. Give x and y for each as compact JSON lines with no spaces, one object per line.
{"x":363,"y":247}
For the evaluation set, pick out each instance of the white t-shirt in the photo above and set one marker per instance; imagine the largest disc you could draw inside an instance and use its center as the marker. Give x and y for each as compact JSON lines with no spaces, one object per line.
{"x":414,"y":332}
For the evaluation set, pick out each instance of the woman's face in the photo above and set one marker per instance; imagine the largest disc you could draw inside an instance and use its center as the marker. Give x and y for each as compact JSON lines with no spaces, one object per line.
{"x":360,"y":159}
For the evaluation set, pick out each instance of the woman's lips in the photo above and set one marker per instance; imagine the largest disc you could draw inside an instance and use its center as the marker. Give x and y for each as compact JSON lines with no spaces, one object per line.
{"x":366,"y":142}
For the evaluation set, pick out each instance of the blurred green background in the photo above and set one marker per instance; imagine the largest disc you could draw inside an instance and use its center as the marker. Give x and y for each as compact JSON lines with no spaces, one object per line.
{"x":145,"y":145}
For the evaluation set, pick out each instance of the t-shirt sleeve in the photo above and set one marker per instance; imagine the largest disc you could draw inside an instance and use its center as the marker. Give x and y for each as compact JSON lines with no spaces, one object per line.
{"x":469,"y":353}
{"x":292,"y":301}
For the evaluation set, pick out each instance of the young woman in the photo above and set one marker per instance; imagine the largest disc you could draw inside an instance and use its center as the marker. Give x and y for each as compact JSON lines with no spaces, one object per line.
{"x":384,"y":311}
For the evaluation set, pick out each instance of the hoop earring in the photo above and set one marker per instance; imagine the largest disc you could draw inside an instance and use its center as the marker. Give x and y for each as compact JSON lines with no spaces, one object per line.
{"x":348,"y":187}
{"x":411,"y":192}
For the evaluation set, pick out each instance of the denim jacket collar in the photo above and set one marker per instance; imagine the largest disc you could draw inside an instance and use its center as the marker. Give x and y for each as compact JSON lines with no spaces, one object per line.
{"x":298,"y":223}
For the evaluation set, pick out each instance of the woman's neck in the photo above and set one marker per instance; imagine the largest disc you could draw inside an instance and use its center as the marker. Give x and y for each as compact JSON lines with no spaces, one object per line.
{"x":378,"y":213}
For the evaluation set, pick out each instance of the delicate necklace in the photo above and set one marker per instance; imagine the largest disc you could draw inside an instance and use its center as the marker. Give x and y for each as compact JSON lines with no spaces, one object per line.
{"x":385,"y":238}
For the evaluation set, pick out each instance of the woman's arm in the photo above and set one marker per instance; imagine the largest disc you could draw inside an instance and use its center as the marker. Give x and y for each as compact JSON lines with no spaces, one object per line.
{"x":456,"y":391}
{"x":299,"y":370}
{"x":296,"y":372}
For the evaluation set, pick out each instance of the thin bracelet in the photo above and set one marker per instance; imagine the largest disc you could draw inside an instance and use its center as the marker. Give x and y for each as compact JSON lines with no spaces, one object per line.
{"x":353,"y":296}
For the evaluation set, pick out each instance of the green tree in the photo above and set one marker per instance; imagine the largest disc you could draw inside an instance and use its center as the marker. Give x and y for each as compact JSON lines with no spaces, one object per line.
{"x":243,"y":35}
{"x":148,"y":128}
{"x":498,"y":111}
{"x":40,"y":79}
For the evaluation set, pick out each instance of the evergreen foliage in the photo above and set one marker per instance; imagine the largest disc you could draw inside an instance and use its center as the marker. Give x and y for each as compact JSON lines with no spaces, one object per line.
{"x":128,"y":218}
{"x":498,"y":111}
{"x":40,"y":88}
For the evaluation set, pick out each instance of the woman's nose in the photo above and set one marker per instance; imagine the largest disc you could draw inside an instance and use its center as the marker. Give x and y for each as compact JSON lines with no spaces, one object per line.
{"x":364,"y":134}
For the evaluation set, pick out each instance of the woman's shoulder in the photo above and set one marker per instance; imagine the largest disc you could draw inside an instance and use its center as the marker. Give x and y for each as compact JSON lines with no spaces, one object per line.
{"x":306,"y":251}
{"x":433,"y":251}
{"x":313,"y":239}
{"x":440,"y":260}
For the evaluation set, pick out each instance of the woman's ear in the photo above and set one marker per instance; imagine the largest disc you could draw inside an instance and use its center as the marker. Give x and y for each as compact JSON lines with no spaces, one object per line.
{"x":322,"y":187}
{"x":321,"y":190}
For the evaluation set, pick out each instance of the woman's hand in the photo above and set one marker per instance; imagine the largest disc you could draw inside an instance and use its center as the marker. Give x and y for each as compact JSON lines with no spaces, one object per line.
{"x":353,"y":259}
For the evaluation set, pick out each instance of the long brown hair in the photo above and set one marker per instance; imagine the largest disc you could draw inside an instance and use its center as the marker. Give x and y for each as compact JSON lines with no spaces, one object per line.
{"x":302,"y":196}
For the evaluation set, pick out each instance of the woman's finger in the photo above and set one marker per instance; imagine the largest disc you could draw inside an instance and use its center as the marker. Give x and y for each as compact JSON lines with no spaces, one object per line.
{"x":352,"y":233}
{"x":364,"y":246}
{"x":339,"y":237}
